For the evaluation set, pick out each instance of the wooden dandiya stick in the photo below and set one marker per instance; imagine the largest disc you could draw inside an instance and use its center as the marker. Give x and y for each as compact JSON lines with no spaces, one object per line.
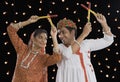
{"x":50,"y":21}
{"x":89,"y":6}
{"x":88,"y":9}
{"x":50,"y":16}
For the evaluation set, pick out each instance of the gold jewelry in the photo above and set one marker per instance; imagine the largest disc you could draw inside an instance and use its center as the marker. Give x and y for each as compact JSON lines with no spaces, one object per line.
{"x":28,"y":64}
{"x":19,"y":25}
{"x":56,"y":50}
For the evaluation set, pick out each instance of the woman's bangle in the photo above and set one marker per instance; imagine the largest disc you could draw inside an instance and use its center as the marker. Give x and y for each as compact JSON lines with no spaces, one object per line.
{"x":19,"y":25}
{"x":56,"y":50}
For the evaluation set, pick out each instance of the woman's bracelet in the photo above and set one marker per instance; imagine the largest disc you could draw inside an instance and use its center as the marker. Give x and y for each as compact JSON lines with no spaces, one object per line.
{"x":19,"y":25}
{"x":56,"y":50}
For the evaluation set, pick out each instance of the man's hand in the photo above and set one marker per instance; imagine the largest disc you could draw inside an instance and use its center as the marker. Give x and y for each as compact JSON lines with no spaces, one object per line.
{"x":101,"y":18}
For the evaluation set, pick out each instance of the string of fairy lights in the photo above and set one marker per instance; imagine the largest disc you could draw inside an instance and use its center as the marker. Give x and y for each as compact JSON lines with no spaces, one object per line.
{"x":106,"y":62}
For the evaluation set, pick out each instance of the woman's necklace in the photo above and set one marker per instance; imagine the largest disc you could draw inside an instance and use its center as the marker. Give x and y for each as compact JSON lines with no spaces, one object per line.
{"x":28,"y":64}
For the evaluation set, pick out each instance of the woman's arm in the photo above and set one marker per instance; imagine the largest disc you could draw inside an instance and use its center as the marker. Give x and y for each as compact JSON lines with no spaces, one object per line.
{"x":12,"y":32}
{"x":86,"y":30}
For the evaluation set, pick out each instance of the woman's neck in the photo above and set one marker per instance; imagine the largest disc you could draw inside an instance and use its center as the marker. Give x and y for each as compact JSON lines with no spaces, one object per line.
{"x":35,"y":49}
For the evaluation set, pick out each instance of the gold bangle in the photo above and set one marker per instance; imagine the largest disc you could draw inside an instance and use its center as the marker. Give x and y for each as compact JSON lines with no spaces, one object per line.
{"x":19,"y":25}
{"x":56,"y":50}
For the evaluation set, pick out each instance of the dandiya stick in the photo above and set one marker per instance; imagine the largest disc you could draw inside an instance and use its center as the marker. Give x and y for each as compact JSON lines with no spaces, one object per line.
{"x":50,"y":21}
{"x":88,"y":9}
{"x":89,"y":6}
{"x":50,"y":16}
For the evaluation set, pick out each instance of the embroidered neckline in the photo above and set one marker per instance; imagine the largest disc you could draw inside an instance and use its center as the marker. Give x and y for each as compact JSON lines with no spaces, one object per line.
{"x":28,"y":64}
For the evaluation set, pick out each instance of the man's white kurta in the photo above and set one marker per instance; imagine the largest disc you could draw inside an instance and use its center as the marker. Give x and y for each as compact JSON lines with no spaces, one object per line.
{"x":70,"y":68}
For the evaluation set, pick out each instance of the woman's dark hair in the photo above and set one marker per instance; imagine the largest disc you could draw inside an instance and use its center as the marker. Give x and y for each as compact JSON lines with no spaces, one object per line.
{"x":39,"y":31}
{"x":71,"y":28}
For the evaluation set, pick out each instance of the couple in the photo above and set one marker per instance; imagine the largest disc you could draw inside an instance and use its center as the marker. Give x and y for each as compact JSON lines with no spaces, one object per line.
{"x":72,"y":55}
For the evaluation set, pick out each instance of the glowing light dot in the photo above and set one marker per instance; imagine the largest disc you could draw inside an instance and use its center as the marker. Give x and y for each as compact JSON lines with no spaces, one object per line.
{"x":29,"y":6}
{"x":94,"y":55}
{"x":98,"y":30}
{"x":115,"y":19}
{"x":107,"y":75}
{"x":115,"y":69}
{"x":4,"y":13}
{"x":116,"y":44}
{"x":53,"y":70}
{"x":6,"y":22}
{"x":95,"y":5}
{"x":52,"y":45}
{"x":108,"y":14}
{"x":39,"y":26}
{"x":99,"y":63}
{"x":40,"y":1}
{"x":67,"y":8}
{"x":53,"y":77}
{"x":12,"y":4}
{"x":40,"y":9}
{"x":108,"y":6}
{"x":5,"y":62}
{"x":16,"y":13}
{"x":23,"y":13}
{"x":24,"y":34}
{"x":50,"y":11}
{"x":50,"y":37}
{"x":117,"y":11}
{"x":113,"y":77}
{"x":15,"y":21}
{"x":117,"y":53}
{"x":8,"y":53}
{"x":63,"y":0}
{"x":78,"y":20}
{"x":118,"y":61}
{"x":4,"y":33}
{"x":8,"y":73}
{"x":77,"y":3}
{"x":74,"y":12}
{"x":80,"y":27}
{"x":94,"y":22}
{"x":118,"y":27}
{"x":6,"y":3}
{"x":108,"y":49}
{"x":101,"y":71}
{"x":53,"y":3}
{"x":108,"y":67}
{"x":5,"y":43}
{"x":106,"y":59}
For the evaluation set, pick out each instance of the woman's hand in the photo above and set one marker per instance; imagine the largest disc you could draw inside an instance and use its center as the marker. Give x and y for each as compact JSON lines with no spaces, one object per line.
{"x":33,"y":19}
{"x":87,"y":29}
{"x":53,"y":28}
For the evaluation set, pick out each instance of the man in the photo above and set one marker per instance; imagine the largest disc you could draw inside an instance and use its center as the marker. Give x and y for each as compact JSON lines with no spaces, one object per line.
{"x":76,"y":65}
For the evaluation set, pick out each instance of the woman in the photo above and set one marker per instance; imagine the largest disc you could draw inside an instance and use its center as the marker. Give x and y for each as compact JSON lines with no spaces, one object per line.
{"x":32,"y":61}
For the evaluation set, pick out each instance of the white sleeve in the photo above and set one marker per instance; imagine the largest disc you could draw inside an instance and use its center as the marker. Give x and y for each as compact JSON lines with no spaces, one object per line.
{"x":65,"y":51}
{"x":97,"y":44}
